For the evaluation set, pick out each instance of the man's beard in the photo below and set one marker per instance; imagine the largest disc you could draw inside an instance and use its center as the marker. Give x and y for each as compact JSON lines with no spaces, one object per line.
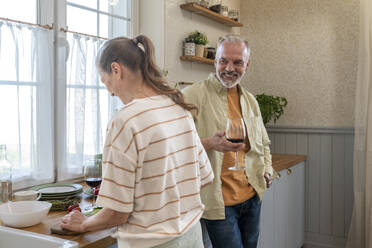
{"x":230,"y":73}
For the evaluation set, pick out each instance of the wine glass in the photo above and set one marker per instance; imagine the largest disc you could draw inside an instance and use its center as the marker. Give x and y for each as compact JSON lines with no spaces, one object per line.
{"x":93,"y":178}
{"x":235,"y":133}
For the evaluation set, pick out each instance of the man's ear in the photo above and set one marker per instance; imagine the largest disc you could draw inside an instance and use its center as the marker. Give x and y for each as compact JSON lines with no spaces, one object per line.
{"x":249,"y":61}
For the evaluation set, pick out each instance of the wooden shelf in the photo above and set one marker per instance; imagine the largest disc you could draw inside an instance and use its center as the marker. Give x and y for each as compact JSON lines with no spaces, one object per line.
{"x":197,"y":59}
{"x":196,"y":8}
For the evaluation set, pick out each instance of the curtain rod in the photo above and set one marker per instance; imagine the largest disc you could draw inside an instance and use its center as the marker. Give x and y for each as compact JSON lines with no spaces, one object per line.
{"x":46,"y":26}
{"x":89,"y":35}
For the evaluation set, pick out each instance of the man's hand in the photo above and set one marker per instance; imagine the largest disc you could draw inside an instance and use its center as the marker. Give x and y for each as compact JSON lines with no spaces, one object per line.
{"x":268,"y":179}
{"x":219,"y":143}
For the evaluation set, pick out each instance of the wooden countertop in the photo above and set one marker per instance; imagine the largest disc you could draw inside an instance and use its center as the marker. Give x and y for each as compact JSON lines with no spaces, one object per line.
{"x":95,"y":239}
{"x":285,"y":161}
{"x":103,"y":238}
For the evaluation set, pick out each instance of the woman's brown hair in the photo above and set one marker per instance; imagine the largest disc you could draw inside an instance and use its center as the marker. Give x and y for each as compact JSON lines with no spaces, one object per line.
{"x":138,"y":54}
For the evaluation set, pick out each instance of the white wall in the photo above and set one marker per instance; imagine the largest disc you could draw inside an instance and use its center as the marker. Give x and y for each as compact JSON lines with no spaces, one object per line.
{"x":151,"y":23}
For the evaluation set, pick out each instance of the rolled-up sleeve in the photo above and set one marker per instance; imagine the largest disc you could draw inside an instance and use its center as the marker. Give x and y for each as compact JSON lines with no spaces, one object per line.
{"x":119,"y":171}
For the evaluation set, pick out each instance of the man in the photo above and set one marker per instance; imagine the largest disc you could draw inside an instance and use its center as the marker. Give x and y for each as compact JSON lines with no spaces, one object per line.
{"x":232,"y":202}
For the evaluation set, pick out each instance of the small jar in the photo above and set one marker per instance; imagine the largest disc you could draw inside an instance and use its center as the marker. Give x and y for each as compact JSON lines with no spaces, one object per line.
{"x":224,"y":10}
{"x":234,"y":14}
{"x":204,"y":3}
{"x":211,"y":52}
{"x":215,"y":5}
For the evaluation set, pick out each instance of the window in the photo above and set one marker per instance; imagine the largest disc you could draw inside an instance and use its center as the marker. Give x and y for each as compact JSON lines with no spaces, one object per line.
{"x":25,"y":95}
{"x":88,"y":105}
{"x":11,"y":10}
{"x":56,"y":116}
{"x":101,"y":18}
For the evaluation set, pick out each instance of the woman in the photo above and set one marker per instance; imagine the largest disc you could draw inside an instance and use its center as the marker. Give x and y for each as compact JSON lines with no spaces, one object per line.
{"x":154,"y":163}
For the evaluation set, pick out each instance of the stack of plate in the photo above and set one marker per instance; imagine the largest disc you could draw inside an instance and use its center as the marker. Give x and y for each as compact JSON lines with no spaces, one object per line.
{"x":58,"y":191}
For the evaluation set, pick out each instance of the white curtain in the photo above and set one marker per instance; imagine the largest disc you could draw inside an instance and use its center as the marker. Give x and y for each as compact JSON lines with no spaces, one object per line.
{"x":26,"y":101}
{"x":360,"y":233}
{"x":88,"y":107}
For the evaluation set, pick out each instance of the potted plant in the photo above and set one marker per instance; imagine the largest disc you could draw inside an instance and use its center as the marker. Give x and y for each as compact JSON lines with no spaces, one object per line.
{"x":272,"y":107}
{"x":200,"y":39}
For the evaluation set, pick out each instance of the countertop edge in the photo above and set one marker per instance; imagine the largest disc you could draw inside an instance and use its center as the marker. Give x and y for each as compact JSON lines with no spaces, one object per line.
{"x":284,"y":161}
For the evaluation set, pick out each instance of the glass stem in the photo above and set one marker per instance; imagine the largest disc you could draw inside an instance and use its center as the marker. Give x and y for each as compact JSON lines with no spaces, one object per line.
{"x":94,"y":197}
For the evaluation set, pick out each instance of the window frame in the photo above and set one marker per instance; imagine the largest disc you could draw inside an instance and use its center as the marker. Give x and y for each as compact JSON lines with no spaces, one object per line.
{"x":61,"y":49}
{"x":54,"y":13}
{"x":61,"y":86}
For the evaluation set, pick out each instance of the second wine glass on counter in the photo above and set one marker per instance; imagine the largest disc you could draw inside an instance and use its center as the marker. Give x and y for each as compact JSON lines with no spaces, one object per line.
{"x":235,"y":133}
{"x":93,"y":178}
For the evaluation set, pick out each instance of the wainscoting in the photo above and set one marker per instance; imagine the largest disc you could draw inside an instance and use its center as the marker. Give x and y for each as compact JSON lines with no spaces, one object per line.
{"x":328,"y":179}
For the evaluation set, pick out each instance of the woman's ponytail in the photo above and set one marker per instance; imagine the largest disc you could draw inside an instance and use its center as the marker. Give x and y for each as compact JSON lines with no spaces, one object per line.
{"x":139,"y":54}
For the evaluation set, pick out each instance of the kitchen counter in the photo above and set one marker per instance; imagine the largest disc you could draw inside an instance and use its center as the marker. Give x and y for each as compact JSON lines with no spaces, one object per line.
{"x":103,"y":238}
{"x":96,"y":239}
{"x":285,"y":161}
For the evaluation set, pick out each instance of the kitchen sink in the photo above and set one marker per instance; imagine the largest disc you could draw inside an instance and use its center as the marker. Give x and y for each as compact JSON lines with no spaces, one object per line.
{"x":11,"y":237}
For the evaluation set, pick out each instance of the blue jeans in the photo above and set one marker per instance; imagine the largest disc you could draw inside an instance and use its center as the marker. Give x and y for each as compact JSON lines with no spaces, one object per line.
{"x":240,"y":228}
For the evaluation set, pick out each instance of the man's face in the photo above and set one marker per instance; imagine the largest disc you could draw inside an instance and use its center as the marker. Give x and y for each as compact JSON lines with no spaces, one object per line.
{"x":231,"y":63}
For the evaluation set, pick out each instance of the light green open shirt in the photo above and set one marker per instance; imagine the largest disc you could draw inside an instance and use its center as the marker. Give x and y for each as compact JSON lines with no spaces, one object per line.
{"x":211,"y":98}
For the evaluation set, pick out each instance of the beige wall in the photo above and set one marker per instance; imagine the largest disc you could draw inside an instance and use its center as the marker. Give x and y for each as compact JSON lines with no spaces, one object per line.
{"x":151,"y":20}
{"x":178,"y":23}
{"x":307,"y":52}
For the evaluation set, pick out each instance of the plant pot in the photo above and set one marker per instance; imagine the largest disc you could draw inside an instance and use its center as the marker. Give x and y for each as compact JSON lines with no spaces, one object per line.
{"x":189,"y":49}
{"x":199,"y":51}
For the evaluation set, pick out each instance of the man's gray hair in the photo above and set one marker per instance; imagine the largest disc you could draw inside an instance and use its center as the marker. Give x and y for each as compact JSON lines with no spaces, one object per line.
{"x":234,"y":38}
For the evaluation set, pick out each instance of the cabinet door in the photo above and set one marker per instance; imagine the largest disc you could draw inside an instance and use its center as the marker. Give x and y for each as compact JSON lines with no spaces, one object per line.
{"x":296,"y":205}
{"x":300,"y":204}
{"x":266,"y":239}
{"x":292,"y":207}
{"x":280,"y":221}
{"x":283,"y":211}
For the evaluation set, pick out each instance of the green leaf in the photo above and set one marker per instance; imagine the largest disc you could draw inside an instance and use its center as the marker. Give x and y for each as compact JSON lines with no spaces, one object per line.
{"x":272,"y":107}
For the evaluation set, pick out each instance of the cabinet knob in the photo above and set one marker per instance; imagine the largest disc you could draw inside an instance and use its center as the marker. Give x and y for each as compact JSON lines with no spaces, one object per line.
{"x":289,"y":171}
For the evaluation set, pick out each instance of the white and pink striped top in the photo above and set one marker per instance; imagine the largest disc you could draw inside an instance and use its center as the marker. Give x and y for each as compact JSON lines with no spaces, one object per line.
{"x":154,"y":168}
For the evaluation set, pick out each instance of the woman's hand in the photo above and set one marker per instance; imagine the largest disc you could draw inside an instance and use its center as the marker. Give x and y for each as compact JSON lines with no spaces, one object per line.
{"x":74,"y":221}
{"x":219,"y":143}
{"x":105,"y":218}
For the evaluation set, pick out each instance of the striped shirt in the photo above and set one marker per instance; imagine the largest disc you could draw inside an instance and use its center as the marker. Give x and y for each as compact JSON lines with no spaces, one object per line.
{"x":154,"y":168}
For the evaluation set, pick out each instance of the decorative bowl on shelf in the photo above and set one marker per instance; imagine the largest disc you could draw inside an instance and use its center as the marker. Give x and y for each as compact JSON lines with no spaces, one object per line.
{"x":24,"y":213}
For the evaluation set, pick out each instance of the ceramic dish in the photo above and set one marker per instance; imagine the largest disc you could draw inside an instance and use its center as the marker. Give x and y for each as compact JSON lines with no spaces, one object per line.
{"x":24,"y":213}
{"x":58,"y":189}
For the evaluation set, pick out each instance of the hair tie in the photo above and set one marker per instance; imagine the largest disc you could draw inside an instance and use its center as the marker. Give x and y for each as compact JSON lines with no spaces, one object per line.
{"x":138,"y":44}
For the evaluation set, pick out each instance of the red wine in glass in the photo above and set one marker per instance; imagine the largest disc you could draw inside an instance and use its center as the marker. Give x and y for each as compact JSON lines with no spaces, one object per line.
{"x":235,"y":133}
{"x":236,"y":140}
{"x":93,"y":182}
{"x":93,"y":177}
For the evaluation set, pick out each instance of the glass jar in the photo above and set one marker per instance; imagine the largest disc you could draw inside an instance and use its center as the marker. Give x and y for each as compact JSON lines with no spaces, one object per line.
{"x":211,"y":53}
{"x":204,"y":3}
{"x":98,"y":159}
{"x":215,"y":5}
{"x":5,"y":165}
{"x":224,"y":10}
{"x":6,"y":190}
{"x":234,"y":14}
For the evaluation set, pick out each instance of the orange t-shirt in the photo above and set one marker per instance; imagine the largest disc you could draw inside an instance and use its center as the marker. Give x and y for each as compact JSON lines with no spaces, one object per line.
{"x":235,"y":186}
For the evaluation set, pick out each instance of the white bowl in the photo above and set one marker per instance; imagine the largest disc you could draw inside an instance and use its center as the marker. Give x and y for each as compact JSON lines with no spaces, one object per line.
{"x":24,"y":213}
